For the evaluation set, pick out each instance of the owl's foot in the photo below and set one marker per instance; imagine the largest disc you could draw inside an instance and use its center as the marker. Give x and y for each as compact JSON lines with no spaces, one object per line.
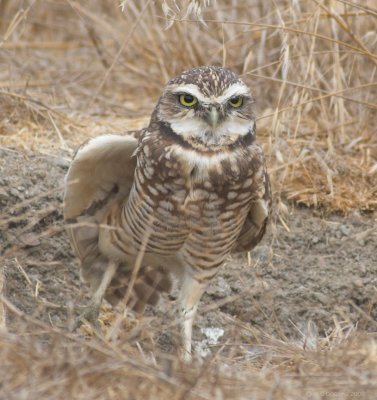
{"x":88,"y":314}
{"x":184,"y":355}
{"x":189,"y":296}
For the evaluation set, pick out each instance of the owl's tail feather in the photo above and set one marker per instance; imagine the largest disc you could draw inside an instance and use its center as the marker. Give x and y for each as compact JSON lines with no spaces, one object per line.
{"x":149,"y":285}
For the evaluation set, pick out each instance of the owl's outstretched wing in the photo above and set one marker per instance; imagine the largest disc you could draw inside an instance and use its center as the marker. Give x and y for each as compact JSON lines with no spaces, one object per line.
{"x":101,"y":174}
{"x":102,"y":169}
{"x":255,"y":224}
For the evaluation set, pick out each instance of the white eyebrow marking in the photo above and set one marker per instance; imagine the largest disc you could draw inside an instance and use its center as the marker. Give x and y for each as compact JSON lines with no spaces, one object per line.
{"x":237,"y":89}
{"x":193,"y":90}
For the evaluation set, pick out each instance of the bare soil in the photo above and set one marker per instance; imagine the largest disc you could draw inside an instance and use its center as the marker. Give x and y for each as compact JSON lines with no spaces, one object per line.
{"x":308,"y":268}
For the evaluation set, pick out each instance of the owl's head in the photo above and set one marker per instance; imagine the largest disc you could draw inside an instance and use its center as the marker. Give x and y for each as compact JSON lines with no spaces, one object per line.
{"x":208,"y":108}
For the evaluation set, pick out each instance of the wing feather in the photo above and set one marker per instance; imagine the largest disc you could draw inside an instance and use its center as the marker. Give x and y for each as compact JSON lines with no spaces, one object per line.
{"x":102,"y":167}
{"x":255,"y":224}
{"x":101,"y":172}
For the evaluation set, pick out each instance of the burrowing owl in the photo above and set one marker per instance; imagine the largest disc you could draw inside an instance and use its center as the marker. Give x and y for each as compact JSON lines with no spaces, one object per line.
{"x":174,"y":199}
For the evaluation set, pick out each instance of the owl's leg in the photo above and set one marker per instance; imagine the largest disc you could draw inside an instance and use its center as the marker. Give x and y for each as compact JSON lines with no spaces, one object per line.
{"x":189,"y":297}
{"x":90,"y":312}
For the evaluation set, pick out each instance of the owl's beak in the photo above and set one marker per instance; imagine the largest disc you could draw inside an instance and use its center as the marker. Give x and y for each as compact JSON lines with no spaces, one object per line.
{"x":213,"y":117}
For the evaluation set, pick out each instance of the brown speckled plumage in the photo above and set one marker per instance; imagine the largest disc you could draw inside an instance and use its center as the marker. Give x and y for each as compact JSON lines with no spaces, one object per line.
{"x":211,"y":81}
{"x":186,"y":192}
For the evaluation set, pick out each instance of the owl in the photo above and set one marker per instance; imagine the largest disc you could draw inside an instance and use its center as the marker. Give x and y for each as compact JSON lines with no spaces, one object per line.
{"x":171,"y":202}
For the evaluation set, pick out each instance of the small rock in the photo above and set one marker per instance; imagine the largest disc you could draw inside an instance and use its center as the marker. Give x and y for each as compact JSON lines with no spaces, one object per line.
{"x":30,"y":239}
{"x":262,"y":253}
{"x":219,"y":288}
{"x":344,"y":229}
{"x":362,"y":269}
{"x":203,"y":348}
{"x":315,"y":239}
{"x":15,"y":193}
{"x":61,"y":162}
{"x":236,"y":286}
{"x":358,"y":282}
{"x":40,"y":175}
{"x":322,"y":298}
{"x":213,"y":334}
{"x":4,"y":196}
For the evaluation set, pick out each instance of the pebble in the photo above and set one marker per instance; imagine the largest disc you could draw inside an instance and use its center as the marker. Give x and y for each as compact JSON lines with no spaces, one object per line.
{"x":61,"y":162}
{"x":362,"y":268}
{"x":4,"y":196}
{"x":344,"y":229}
{"x":358,"y":282}
{"x":219,"y":288}
{"x":40,"y":175}
{"x":15,"y":193}
{"x":29,"y":239}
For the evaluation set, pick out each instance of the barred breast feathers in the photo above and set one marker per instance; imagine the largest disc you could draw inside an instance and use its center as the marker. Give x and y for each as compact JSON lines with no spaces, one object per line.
{"x":242,"y":169}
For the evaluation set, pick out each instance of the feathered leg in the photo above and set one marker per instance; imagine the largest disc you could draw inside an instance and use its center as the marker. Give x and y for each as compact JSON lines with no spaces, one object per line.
{"x":189,"y":298}
{"x":91,"y":311}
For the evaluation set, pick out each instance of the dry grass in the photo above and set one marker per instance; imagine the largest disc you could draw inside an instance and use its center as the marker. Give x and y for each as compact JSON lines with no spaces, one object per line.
{"x":41,"y":362}
{"x":69,"y":71}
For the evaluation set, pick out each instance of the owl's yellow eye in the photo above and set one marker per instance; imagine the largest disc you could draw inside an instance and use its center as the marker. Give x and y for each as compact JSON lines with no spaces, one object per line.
{"x":236,"y":101}
{"x":187,"y":100}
